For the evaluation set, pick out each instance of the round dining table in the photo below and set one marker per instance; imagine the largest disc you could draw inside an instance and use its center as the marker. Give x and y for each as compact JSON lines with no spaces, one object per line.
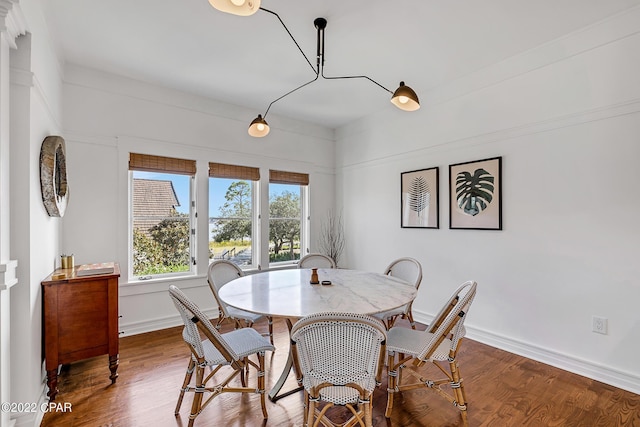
{"x":289,"y":293}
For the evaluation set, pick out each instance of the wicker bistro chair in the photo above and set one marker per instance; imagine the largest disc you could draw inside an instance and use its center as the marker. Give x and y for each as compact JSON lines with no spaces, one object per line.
{"x":439,"y":343}
{"x":217,"y":351}
{"x":409,"y":270}
{"x":316,"y":261}
{"x":219,"y":274}
{"x":339,"y":357}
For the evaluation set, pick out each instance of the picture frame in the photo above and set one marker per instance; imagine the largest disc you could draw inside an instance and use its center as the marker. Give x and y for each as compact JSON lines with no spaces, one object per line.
{"x":475,"y":195}
{"x":419,"y":198}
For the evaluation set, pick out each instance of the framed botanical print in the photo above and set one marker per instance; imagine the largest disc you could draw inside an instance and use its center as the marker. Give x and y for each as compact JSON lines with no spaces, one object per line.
{"x":419,"y":199}
{"x":475,"y":194}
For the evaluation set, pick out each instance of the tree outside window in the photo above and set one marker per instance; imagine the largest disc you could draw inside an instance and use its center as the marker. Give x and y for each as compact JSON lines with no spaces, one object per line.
{"x":231,"y":225}
{"x":285,"y":217}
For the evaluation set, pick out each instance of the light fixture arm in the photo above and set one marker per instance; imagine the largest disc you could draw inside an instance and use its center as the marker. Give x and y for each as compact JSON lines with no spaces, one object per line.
{"x":289,"y":93}
{"x":292,"y":38}
{"x":404,"y":97}
{"x":315,"y":70}
{"x":321,"y":24}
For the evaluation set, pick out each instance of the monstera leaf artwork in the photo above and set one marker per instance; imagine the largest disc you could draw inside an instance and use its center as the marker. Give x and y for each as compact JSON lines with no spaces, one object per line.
{"x":474,"y":192}
{"x":475,"y":196}
{"x":420,"y":198}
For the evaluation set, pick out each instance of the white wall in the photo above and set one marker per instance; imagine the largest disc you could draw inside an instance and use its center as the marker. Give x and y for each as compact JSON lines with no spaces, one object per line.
{"x":35,"y":114}
{"x":106,"y":117}
{"x":565,"y":118}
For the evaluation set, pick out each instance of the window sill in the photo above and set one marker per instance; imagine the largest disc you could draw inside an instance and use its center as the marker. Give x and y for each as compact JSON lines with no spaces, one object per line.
{"x":160,"y":284}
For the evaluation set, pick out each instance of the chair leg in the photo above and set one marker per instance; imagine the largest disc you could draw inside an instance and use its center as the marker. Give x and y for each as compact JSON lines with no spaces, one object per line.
{"x":311,"y":412}
{"x":197,"y":396}
{"x":368,"y":415}
{"x":185,"y":383}
{"x":392,"y":384}
{"x":270,"y":320}
{"x":457,"y":386}
{"x":390,"y":322}
{"x":305,"y":412}
{"x":411,"y":321}
{"x":243,"y":374}
{"x":261,"y":384}
{"x":221,"y":318}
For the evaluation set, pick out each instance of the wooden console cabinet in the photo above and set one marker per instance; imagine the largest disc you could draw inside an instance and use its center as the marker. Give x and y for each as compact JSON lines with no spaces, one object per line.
{"x":80,"y":320}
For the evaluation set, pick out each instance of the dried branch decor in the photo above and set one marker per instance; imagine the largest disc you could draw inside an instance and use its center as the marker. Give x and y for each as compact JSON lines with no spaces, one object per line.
{"x":332,"y":236}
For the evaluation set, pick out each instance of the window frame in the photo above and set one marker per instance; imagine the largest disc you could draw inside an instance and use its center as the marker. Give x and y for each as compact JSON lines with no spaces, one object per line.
{"x":302,"y":180}
{"x":254,"y":217}
{"x":167,"y":166}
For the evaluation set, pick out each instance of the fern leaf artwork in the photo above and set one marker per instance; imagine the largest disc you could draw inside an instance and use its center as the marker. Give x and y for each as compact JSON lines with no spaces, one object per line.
{"x":419,"y":195}
{"x":419,"y":198}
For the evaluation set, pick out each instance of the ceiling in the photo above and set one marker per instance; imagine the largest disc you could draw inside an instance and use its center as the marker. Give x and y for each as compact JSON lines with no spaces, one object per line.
{"x":250,"y":61}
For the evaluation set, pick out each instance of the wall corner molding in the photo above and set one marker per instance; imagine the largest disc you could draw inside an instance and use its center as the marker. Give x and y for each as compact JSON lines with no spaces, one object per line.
{"x":12,"y":21}
{"x":8,"y":274}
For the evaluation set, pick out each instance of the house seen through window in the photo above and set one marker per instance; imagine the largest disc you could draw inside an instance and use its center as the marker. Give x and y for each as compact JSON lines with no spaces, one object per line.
{"x":161,"y":216}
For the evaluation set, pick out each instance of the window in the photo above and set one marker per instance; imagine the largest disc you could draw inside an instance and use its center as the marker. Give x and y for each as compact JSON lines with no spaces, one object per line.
{"x":162,"y":216}
{"x":287,"y":211}
{"x":232,"y":213}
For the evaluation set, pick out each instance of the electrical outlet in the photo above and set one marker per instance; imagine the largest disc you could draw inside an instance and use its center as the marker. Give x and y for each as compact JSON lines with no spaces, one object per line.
{"x":599,"y":324}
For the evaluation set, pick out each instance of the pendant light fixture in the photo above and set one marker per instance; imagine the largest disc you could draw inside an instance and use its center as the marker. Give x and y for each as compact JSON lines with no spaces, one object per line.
{"x":259,"y":127}
{"x":236,"y":7}
{"x":403,"y":97}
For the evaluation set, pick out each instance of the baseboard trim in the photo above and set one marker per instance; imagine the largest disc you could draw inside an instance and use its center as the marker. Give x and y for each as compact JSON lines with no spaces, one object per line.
{"x":32,"y":419}
{"x":623,"y":380}
{"x":135,"y":328}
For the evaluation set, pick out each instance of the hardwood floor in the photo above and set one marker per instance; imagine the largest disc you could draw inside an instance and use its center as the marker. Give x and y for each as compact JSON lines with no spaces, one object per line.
{"x":502,"y":389}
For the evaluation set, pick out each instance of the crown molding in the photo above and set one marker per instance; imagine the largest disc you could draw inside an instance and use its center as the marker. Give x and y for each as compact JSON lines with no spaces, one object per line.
{"x":12,"y":21}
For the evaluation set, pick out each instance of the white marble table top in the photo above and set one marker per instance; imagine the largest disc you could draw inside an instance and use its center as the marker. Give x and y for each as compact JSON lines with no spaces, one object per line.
{"x":288,"y":293}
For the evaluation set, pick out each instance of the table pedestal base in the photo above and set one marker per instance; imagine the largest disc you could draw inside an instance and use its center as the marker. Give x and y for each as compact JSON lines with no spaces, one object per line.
{"x":288,"y":367}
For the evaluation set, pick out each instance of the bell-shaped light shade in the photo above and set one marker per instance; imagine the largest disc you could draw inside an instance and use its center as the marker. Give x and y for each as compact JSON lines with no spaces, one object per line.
{"x":237,"y":7}
{"x":258,"y":127}
{"x":405,"y":98}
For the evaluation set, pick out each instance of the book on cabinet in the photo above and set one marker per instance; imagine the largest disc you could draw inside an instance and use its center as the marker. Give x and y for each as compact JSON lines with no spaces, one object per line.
{"x":94,"y":269}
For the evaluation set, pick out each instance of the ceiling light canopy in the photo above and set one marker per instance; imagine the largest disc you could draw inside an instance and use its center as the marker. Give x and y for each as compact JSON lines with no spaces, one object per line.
{"x":404,"y":97}
{"x":237,"y":7}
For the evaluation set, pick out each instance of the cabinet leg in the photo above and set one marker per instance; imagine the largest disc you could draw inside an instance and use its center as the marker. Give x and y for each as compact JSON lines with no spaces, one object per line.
{"x":52,"y":383}
{"x":113,"y":367}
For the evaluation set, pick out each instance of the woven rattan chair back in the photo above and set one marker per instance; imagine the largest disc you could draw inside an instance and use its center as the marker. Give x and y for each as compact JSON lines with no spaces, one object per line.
{"x":340,"y":358}
{"x":409,"y":270}
{"x":449,"y":322}
{"x":316,"y":261}
{"x":214,"y":350}
{"x":439,"y":345}
{"x":220,"y":273}
{"x":194,"y":322}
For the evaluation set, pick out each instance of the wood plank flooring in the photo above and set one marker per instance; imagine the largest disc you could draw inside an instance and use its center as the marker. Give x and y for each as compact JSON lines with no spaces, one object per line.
{"x":502,"y":389}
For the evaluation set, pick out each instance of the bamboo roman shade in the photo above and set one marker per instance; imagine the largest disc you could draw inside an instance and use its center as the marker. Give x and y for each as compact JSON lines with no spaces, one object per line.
{"x":281,"y":177}
{"x":222,"y":170}
{"x":149,"y":163}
